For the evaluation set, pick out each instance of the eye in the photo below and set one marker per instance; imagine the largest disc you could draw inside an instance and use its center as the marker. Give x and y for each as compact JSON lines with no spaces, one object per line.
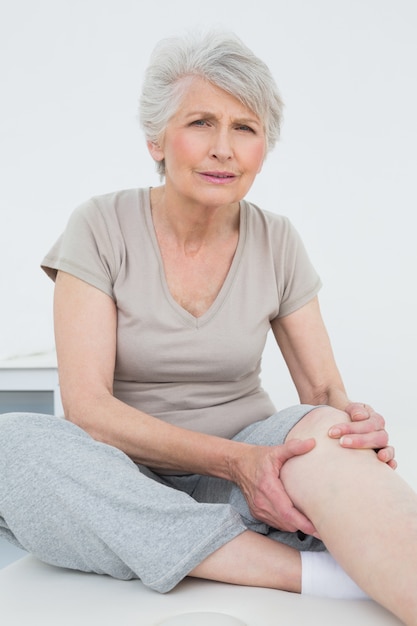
{"x":245,"y":128}
{"x":199,"y":123}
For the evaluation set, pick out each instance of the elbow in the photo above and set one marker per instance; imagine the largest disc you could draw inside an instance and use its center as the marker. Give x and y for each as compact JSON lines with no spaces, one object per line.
{"x":84,"y":411}
{"x":76,"y":414}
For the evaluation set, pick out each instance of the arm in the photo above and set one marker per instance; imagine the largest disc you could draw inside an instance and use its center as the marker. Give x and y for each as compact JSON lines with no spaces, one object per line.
{"x":305,"y":345}
{"x":85,"y":332}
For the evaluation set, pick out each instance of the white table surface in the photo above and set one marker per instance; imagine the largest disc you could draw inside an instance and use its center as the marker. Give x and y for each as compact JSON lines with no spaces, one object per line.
{"x":38,"y":594}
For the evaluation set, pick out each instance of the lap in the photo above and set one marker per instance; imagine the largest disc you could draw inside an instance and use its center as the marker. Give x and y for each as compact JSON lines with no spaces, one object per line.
{"x":67,"y":444}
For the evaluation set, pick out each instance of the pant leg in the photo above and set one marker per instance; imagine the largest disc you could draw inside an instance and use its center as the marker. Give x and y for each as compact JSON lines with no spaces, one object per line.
{"x":81,"y":504}
{"x":271,"y":431}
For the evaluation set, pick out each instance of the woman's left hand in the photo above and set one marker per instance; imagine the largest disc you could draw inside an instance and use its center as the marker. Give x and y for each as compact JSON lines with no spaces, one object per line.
{"x":366,"y":430}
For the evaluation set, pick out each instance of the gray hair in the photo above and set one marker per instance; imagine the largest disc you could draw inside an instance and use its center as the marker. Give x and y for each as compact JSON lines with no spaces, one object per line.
{"x":220,"y":58}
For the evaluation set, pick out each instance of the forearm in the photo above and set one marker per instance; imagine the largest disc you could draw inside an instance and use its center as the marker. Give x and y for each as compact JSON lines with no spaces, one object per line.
{"x":333,"y":395}
{"x":338,"y":400}
{"x":152,"y":442}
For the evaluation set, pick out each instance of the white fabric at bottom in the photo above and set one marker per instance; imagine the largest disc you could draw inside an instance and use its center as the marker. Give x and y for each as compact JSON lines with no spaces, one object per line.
{"x":323,"y":576}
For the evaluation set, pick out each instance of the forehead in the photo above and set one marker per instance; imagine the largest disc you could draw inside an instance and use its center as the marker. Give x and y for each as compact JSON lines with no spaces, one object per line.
{"x":200,"y":95}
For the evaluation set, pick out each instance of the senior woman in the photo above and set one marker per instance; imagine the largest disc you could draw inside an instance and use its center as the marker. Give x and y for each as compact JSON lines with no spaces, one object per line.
{"x":172,"y":459}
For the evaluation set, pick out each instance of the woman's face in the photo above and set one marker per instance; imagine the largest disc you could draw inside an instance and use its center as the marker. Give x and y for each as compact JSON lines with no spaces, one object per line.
{"x":213,"y":147}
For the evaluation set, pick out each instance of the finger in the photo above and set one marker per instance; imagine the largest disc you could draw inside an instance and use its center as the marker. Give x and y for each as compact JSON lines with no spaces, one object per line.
{"x":292,"y":521}
{"x":358,"y":411}
{"x":304,"y":525}
{"x":294,"y":447}
{"x":376,"y":423}
{"x":386,"y":454}
{"x":373,"y":440}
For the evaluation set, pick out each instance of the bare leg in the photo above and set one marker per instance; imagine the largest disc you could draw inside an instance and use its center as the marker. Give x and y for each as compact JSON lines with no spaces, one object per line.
{"x":365,"y":513}
{"x":254,"y":560}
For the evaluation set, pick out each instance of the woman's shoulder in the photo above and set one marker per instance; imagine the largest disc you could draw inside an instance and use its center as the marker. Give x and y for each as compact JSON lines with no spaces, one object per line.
{"x":266,"y":220}
{"x":115,"y":204}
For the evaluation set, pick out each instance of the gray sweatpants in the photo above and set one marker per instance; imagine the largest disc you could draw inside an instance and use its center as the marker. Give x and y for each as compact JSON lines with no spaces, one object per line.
{"x":85,"y":505}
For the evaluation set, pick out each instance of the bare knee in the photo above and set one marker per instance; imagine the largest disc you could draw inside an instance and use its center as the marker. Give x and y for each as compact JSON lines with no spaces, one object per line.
{"x":311,"y":479}
{"x":317,"y":423}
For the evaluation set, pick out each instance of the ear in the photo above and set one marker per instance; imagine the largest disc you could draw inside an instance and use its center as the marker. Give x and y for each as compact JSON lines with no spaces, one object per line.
{"x":155,"y":151}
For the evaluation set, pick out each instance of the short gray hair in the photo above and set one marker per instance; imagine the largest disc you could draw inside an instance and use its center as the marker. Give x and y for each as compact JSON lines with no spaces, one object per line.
{"x":218,"y":57}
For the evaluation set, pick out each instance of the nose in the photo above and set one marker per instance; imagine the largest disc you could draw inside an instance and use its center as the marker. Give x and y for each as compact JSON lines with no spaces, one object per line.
{"x":222,"y":148}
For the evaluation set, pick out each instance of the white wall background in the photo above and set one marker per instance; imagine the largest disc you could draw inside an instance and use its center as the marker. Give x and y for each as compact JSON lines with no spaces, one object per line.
{"x":345,"y":170}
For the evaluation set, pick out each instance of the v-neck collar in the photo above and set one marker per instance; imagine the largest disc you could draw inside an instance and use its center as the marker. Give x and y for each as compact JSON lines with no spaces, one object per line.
{"x":218,"y":302}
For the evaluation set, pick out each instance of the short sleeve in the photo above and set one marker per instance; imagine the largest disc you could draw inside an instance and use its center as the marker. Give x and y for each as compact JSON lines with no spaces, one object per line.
{"x":85,"y":249}
{"x":297,"y":280}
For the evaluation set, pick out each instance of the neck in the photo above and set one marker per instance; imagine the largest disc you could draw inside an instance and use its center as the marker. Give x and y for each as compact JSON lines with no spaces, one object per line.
{"x":192,"y":226}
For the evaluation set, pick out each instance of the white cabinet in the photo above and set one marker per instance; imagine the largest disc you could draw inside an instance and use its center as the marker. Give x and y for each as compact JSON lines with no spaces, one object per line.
{"x":30,"y":384}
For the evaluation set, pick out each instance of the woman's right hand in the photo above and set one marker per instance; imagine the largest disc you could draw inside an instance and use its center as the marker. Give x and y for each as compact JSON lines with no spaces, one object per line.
{"x":257,"y":473}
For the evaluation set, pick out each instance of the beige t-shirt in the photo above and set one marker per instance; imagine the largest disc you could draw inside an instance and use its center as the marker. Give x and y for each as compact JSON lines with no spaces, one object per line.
{"x":199,"y":373}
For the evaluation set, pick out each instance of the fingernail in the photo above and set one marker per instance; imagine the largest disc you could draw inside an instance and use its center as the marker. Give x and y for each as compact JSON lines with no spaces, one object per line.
{"x":335,"y":432}
{"x":346,"y":441}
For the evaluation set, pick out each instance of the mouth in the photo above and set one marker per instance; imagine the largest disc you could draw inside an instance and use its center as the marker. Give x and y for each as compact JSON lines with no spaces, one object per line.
{"x":220,"y":178}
